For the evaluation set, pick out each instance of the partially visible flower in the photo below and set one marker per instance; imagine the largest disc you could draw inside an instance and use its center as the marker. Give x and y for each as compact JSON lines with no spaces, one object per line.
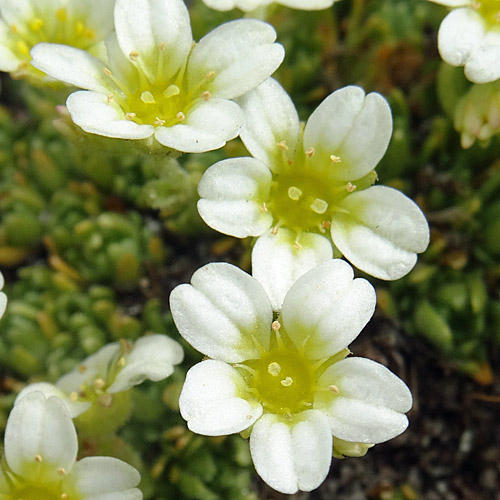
{"x":3,"y":297}
{"x":287,"y":383}
{"x":97,"y":390}
{"x":248,"y":5}
{"x":470,"y":36}
{"x":78,"y":23}
{"x":39,"y":462}
{"x":305,"y":189}
{"x":156,"y":84}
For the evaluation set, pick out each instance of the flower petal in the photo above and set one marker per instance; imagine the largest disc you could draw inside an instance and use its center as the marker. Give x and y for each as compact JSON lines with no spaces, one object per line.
{"x":98,"y":16}
{"x":453,"y":3}
{"x":328,"y":308}
{"x":352,"y":126}
{"x":277,"y":261}
{"x":8,"y":59}
{"x":70,"y":65}
{"x":102,"y":478}
{"x":271,"y":119}
{"x":40,"y":438}
{"x":459,"y":34}
{"x":233,"y":193}
{"x":207,"y":126}
{"x":158,"y":30}
{"x":17,"y":12}
{"x":213,"y":400}
{"x":223,"y":313}
{"x":307,"y":4}
{"x":295,"y":456}
{"x":153,"y":357}
{"x":93,"y":113}
{"x":483,"y":64}
{"x":382,"y":233}
{"x":242,"y":55}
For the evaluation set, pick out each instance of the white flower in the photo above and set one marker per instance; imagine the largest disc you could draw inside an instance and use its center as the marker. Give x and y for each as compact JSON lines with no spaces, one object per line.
{"x":3,"y":297}
{"x":304,"y":187}
{"x":286,"y":382}
{"x":157,"y":84}
{"x":470,"y":36}
{"x":97,"y":389}
{"x":40,"y":459}
{"x":248,"y":5}
{"x":24,"y":23}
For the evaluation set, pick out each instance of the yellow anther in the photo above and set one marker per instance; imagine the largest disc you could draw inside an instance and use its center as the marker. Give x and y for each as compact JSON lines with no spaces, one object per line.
{"x":64,"y":496}
{"x":274,"y":230}
{"x":159,"y":122}
{"x":350,"y":187}
{"x":23,"y":48}
{"x":89,"y":33}
{"x":62,"y":15}
{"x":249,"y":417}
{"x":79,"y":28}
{"x":82,"y":368}
{"x":36,"y":24}
{"x":74,"y":396}
{"x":107,"y":71}
{"x":122,"y":362}
{"x":111,"y":98}
{"x":274,"y":369}
{"x":99,"y":383}
{"x":335,"y":159}
{"x":319,"y":206}
{"x":287,"y":382}
{"x":294,"y":193}
{"x":180,"y":116}
{"x":210,"y":75}
{"x":133,"y":55}
{"x":297,"y":245}
{"x":171,"y":90}
{"x":310,"y":152}
{"x":130,"y":116}
{"x":38,"y":458}
{"x":282,"y":145}
{"x":162,"y":46}
{"x":263,"y":207}
{"x":206,"y":95}
{"x":61,"y":471}
{"x":276,"y":325}
{"x":147,"y":97}
{"x":333,"y":388}
{"x":14,"y":29}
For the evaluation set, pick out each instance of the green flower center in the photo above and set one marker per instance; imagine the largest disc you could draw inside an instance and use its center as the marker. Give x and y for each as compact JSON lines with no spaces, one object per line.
{"x":489,"y":10}
{"x":35,"y":493}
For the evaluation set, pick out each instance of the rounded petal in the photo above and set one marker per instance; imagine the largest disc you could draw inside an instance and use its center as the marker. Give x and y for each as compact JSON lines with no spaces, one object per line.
{"x":70,"y":65}
{"x":459,"y":34}
{"x":483,"y":64}
{"x":214,"y":400}
{"x":158,"y":30}
{"x":153,"y":358}
{"x":382,"y":233}
{"x":93,"y":113}
{"x":223,"y":313}
{"x":453,"y":3}
{"x":9,"y":61}
{"x":277,"y":261}
{"x":208,"y":125}
{"x":245,"y":5}
{"x":307,"y":4}
{"x":40,"y":438}
{"x":233,"y":193}
{"x":271,"y":118}
{"x":352,"y":126}
{"x":17,"y":11}
{"x":97,"y":15}
{"x":292,"y":456}
{"x":328,"y":308}
{"x":242,"y":55}
{"x":103,"y":478}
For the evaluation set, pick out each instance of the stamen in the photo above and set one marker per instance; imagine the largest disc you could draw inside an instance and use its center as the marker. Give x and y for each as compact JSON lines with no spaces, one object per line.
{"x":38,"y":458}
{"x":122,"y":362}
{"x":62,"y":15}
{"x":147,"y":97}
{"x":206,"y":95}
{"x":326,"y":224}
{"x":64,"y":496}
{"x":333,"y":388}
{"x":82,"y":368}
{"x":282,"y":145}
{"x":36,"y":24}
{"x":22,"y":47}
{"x":276,"y":325}
{"x":107,"y":71}
{"x":171,"y":91}
{"x":74,"y":396}
{"x":162,"y":46}
{"x":210,"y":75}
{"x":274,"y":369}
{"x":61,"y":471}
{"x":245,"y":367}
{"x":133,"y":55}
{"x":130,"y":116}
{"x":350,"y":187}
{"x":296,"y":245}
{"x":287,"y":382}
{"x":159,"y":122}
{"x":14,"y":28}
{"x":335,"y":159}
{"x":180,"y":116}
{"x":263,"y":207}
{"x":319,"y":206}
{"x":294,"y":193}
{"x":111,"y":98}
{"x":99,"y":383}
{"x":310,"y":152}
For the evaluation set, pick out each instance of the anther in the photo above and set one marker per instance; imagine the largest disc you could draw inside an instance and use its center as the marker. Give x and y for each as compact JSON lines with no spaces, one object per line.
{"x":171,"y":90}
{"x":61,"y":471}
{"x":162,"y":46}
{"x":274,"y":230}
{"x":107,"y":71}
{"x":282,"y":145}
{"x":350,"y":187}
{"x":274,"y":369}
{"x":206,"y":95}
{"x":276,"y":325}
{"x":38,"y":458}
{"x":296,"y":245}
{"x":64,"y":496}
{"x":111,"y":98}
{"x":99,"y":383}
{"x":122,"y":362}
{"x":14,"y":28}
{"x":62,"y":15}
{"x":130,"y":116}
{"x":294,"y":193}
{"x":319,"y":206}
{"x":147,"y":97}
{"x":159,"y":122}
{"x":287,"y":382}
{"x":36,"y":24}
{"x":335,"y":159}
{"x":210,"y":75}
{"x":263,"y":207}
{"x":333,"y":388}
{"x":133,"y":55}
{"x":82,"y":368}
{"x":74,"y":396}
{"x":326,"y":224}
{"x":180,"y":116}
{"x":310,"y":152}
{"x":249,"y":417}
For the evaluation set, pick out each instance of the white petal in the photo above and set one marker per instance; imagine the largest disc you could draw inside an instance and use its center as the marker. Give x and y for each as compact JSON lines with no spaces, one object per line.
{"x":153,"y":357}
{"x":98,"y":16}
{"x":17,"y":12}
{"x":40,"y":428}
{"x":277,"y":264}
{"x":361,"y":422}
{"x":222,"y":312}
{"x":213,"y":400}
{"x":328,"y":308}
{"x":459,"y":34}
{"x":307,"y":4}
{"x":102,"y":478}
{"x":145,"y":25}
{"x":93,"y":113}
{"x":242,"y":55}
{"x":483,"y":64}
{"x":70,"y":65}
{"x":233,"y":193}
{"x":271,"y":118}
{"x":3,"y":303}
{"x":453,"y":3}
{"x":382,"y":233}
{"x":365,"y":380}
{"x":295,"y":456}
{"x":9,"y":61}
{"x":245,"y":5}
{"x":352,"y":126}
{"x":121,"y":65}
{"x":207,"y":126}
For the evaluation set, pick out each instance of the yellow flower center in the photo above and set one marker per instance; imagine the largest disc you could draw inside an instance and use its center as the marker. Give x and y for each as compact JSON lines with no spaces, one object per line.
{"x":489,"y":10}
{"x":37,"y":493}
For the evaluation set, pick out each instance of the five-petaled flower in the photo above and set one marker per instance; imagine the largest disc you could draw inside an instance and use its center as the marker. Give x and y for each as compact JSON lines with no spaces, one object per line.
{"x":77,"y":23}
{"x":303,"y":190}
{"x":39,"y":462}
{"x":470,"y":36}
{"x":157,"y":84}
{"x":248,"y":5}
{"x":287,"y":381}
